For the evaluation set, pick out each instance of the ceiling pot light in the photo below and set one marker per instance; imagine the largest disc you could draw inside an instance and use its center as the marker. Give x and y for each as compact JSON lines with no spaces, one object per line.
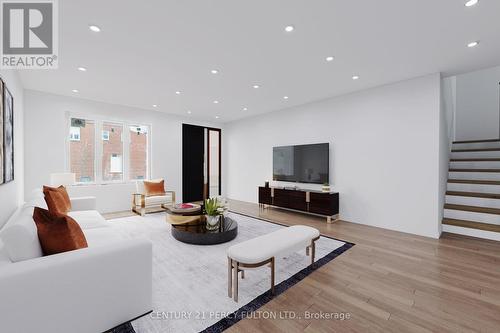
{"x":216,"y":102}
{"x":330,"y":58}
{"x":216,"y":117}
{"x":75,"y":90}
{"x":285,"y":97}
{"x":214,"y":71}
{"x":188,"y":112}
{"x":289,"y":28}
{"x":256,"y":86}
{"x":155,"y":105}
{"x":245,"y":109}
{"x":82,"y":69}
{"x":473,"y":44}
{"x":177,"y":92}
{"x":355,"y":77}
{"x":471,"y":3}
{"x":94,"y":28}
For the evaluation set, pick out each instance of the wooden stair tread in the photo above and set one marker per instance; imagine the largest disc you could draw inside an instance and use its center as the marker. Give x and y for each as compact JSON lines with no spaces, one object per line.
{"x":474,"y":181}
{"x":474,"y":149}
{"x":477,"y":141}
{"x":472,"y":224}
{"x":475,"y":209}
{"x":492,"y":159}
{"x":475,"y":170}
{"x":474,"y":194}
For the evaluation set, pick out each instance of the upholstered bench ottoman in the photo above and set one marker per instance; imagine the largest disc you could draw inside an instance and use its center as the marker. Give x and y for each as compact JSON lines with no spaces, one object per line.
{"x":264,"y":249}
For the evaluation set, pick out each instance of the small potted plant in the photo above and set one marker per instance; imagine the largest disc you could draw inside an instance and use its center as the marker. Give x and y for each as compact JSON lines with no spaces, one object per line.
{"x":326,"y":187}
{"x":214,"y":208}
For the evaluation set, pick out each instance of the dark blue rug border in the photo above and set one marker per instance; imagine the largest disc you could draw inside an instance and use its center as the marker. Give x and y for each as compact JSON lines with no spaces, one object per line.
{"x":264,"y":298}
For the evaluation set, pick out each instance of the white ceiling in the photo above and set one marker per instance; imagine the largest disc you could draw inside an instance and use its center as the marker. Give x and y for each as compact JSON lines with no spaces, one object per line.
{"x":147,"y":50}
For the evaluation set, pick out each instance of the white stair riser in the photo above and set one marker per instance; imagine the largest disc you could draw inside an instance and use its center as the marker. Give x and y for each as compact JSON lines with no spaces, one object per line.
{"x":475,"y":165}
{"x":476,"y":145}
{"x":474,"y":175}
{"x":472,"y":216}
{"x":475,"y":154}
{"x":474,"y":188}
{"x":473,"y":201}
{"x":472,"y":232}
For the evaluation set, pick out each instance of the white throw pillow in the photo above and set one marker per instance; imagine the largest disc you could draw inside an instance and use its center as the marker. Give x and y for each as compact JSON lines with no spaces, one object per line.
{"x":21,"y":239}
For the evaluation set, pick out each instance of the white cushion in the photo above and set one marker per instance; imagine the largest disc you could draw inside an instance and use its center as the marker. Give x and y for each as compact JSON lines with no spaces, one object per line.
{"x":102,"y":236}
{"x":4,"y":257}
{"x":36,"y":199}
{"x":88,"y":219}
{"x":21,"y":238}
{"x":277,"y":243}
{"x":157,"y":200}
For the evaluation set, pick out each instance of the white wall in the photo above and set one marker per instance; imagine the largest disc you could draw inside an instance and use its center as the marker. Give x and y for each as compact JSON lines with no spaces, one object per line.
{"x":478,"y":109}
{"x":11,"y":194}
{"x":46,"y":134}
{"x":385,"y":157}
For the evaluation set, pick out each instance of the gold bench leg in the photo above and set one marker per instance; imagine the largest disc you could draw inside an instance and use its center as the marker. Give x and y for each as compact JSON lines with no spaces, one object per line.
{"x":272,"y":275}
{"x":229,"y":277}
{"x":235,"y":280}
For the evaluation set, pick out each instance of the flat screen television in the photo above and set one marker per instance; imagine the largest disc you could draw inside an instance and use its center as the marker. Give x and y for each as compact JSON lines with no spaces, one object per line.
{"x":302,"y":163}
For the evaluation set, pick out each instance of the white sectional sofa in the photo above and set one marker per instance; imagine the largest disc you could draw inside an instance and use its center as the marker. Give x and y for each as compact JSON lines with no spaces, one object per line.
{"x":84,"y":291}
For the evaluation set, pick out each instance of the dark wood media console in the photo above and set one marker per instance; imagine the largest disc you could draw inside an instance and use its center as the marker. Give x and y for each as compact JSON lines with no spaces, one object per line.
{"x":307,"y":201}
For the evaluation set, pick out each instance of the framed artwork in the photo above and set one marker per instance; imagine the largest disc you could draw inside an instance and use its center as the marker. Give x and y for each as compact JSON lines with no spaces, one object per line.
{"x":8,"y":135}
{"x":1,"y":134}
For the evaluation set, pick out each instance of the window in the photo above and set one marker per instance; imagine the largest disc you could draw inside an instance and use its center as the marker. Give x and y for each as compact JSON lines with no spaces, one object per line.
{"x":74,"y":133}
{"x":82,"y":150}
{"x":112,"y":152}
{"x":138,"y":162}
{"x":119,"y":153}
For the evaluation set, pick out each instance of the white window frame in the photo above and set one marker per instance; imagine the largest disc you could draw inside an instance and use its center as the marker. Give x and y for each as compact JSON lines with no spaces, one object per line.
{"x":98,"y":148}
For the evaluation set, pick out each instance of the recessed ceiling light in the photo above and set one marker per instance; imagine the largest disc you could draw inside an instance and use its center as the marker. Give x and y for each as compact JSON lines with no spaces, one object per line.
{"x":214,"y":71}
{"x":82,"y":69}
{"x":256,"y":86}
{"x":355,"y":77}
{"x":216,"y":117}
{"x":330,"y":58}
{"x":216,"y":102}
{"x":155,"y":105}
{"x":471,"y":3}
{"x":189,"y":112}
{"x":94,"y":28}
{"x":75,"y":90}
{"x":473,"y":44}
{"x":245,"y":109}
{"x":177,"y":92}
{"x":285,"y":97}
{"x":289,"y":28}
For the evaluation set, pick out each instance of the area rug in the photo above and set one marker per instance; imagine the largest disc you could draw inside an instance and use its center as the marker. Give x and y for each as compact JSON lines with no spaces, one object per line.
{"x":190,"y":281}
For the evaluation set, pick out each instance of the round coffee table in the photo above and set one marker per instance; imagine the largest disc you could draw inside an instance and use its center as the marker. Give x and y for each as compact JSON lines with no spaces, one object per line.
{"x":195,"y":232}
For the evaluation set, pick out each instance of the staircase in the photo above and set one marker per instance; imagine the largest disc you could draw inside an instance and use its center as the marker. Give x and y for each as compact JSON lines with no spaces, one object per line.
{"x":473,"y":194}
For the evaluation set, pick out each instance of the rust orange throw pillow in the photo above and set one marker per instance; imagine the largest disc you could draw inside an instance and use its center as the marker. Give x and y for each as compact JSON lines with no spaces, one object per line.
{"x":58,"y":232}
{"x":154,"y":188}
{"x":57,"y":199}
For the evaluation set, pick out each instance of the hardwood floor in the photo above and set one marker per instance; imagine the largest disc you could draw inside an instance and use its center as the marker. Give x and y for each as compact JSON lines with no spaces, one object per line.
{"x":388,"y":282}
